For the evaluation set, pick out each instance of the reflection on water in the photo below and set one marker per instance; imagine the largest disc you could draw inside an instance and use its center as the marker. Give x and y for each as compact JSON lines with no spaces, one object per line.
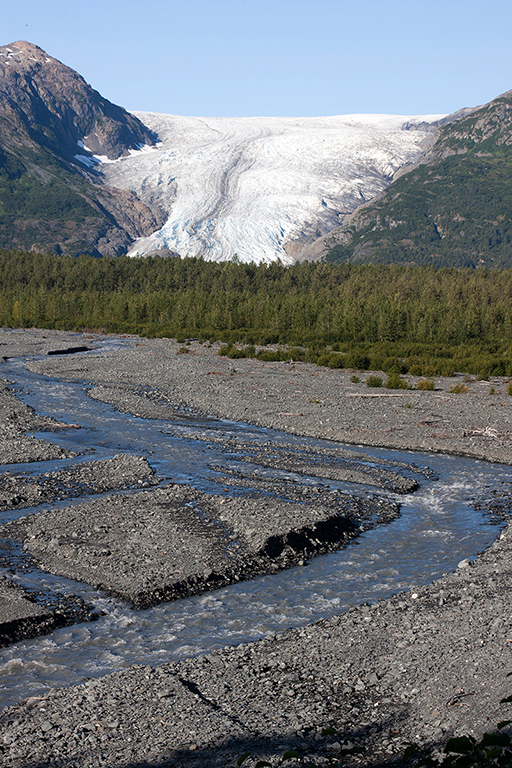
{"x":438,"y":527}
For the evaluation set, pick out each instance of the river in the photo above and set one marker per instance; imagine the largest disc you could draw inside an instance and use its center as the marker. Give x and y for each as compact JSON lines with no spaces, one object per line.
{"x":439,"y":526}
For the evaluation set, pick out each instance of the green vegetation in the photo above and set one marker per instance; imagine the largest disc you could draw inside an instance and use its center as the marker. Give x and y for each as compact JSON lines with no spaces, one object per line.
{"x":459,"y":389}
{"x":455,"y":208}
{"x":394,"y":381}
{"x":374,"y":381}
{"x":422,"y":321}
{"x":45,"y":201}
{"x":426,"y":384}
{"x":493,"y":750}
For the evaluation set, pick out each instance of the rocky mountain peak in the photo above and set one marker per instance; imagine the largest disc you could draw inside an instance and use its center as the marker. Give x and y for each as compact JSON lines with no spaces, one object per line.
{"x":60,"y":110}
{"x":51,"y":124}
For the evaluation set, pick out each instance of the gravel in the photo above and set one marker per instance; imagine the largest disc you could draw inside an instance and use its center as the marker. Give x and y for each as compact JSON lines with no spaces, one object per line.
{"x":154,"y":546}
{"x":153,"y":379}
{"x":379,"y":675}
{"x":27,"y":613}
{"x":426,"y":664}
{"x":121,"y":471}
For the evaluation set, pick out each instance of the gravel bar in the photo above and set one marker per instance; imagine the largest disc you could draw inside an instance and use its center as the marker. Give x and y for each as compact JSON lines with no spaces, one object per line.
{"x":380,"y":675}
{"x":421,"y":666}
{"x":159,"y":545}
{"x":27,"y":613}
{"x":153,"y":379}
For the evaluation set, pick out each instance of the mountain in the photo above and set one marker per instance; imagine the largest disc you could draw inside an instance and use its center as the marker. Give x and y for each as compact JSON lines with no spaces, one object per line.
{"x":79,"y":174}
{"x":53,"y":127}
{"x":263,"y":188}
{"x":452,"y":208}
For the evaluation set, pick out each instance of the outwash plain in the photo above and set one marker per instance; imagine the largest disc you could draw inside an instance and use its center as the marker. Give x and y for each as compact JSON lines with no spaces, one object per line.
{"x":421,"y":666}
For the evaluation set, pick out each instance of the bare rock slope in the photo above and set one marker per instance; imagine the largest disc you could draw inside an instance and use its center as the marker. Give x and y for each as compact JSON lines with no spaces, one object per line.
{"x":52,"y":123}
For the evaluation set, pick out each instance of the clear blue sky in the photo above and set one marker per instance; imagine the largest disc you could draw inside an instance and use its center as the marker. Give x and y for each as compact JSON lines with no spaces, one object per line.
{"x":277,"y":57}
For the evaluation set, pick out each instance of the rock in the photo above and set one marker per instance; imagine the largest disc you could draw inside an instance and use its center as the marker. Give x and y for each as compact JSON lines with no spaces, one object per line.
{"x":52,"y":119}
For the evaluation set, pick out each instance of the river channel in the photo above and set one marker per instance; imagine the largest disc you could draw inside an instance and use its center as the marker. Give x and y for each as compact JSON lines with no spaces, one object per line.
{"x":439,"y":526}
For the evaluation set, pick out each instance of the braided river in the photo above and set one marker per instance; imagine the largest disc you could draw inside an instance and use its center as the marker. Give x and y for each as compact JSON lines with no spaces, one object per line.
{"x":442,"y":523}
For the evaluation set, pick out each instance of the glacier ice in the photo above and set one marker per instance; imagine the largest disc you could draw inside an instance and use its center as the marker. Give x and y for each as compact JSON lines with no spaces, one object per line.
{"x":251,"y":185}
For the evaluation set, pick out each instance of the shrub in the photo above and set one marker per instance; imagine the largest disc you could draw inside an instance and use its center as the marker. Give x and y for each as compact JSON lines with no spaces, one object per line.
{"x":427,"y":384}
{"x":393,"y":365}
{"x":355,"y":379}
{"x":273,"y":355}
{"x":493,"y":749}
{"x":336,"y":361}
{"x":509,"y":388}
{"x":374,"y":381}
{"x":236,"y":354}
{"x":395,"y":381}
{"x":357,"y":360}
{"x":459,"y":389}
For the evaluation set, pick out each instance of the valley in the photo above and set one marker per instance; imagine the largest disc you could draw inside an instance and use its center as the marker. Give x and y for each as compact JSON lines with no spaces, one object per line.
{"x":263,"y":188}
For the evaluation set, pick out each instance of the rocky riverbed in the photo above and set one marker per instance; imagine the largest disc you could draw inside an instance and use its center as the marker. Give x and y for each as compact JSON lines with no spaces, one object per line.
{"x":173,"y":542}
{"x":421,"y":666}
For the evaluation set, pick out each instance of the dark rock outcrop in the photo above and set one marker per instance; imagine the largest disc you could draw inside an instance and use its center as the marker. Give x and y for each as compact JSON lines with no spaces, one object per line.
{"x":54,"y":105}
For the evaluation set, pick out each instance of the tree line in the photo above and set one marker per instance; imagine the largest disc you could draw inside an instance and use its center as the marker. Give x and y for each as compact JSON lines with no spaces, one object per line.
{"x":419,"y":319}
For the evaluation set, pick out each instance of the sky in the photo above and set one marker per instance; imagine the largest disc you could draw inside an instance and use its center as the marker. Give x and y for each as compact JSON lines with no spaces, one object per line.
{"x":234,"y":58}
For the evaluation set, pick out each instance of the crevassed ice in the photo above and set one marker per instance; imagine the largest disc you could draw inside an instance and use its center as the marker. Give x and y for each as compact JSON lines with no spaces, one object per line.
{"x":249,"y":185}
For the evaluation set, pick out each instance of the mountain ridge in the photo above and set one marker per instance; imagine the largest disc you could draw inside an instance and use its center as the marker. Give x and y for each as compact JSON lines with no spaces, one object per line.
{"x":79,"y":174}
{"x":50,"y":198}
{"x":453,"y":207}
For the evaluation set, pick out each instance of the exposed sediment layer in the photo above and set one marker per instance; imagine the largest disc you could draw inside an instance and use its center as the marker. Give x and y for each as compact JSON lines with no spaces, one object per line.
{"x":168,"y":543}
{"x":25,"y":614}
{"x":88,"y":477}
{"x":16,"y":418}
{"x":419,"y":667}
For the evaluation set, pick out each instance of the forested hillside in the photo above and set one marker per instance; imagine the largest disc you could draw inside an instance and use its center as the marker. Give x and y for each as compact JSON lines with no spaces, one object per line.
{"x":453,"y":209}
{"x":421,"y":320}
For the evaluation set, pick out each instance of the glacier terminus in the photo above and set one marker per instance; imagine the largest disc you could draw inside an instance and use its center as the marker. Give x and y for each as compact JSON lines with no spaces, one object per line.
{"x":262,"y":188}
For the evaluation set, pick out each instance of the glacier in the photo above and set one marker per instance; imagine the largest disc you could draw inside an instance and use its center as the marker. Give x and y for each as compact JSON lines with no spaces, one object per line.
{"x":259,"y":188}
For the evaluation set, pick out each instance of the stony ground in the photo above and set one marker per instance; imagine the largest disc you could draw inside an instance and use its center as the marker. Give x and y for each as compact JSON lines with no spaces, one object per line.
{"x":421,"y":666}
{"x":153,"y":379}
{"x":159,"y":545}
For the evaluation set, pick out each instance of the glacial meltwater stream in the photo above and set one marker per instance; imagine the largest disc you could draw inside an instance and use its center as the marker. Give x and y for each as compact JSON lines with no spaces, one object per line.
{"x":438,"y":527}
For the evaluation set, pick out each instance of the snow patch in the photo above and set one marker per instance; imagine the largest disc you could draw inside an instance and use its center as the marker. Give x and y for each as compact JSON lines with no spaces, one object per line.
{"x":90,"y":162}
{"x":104,"y":159}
